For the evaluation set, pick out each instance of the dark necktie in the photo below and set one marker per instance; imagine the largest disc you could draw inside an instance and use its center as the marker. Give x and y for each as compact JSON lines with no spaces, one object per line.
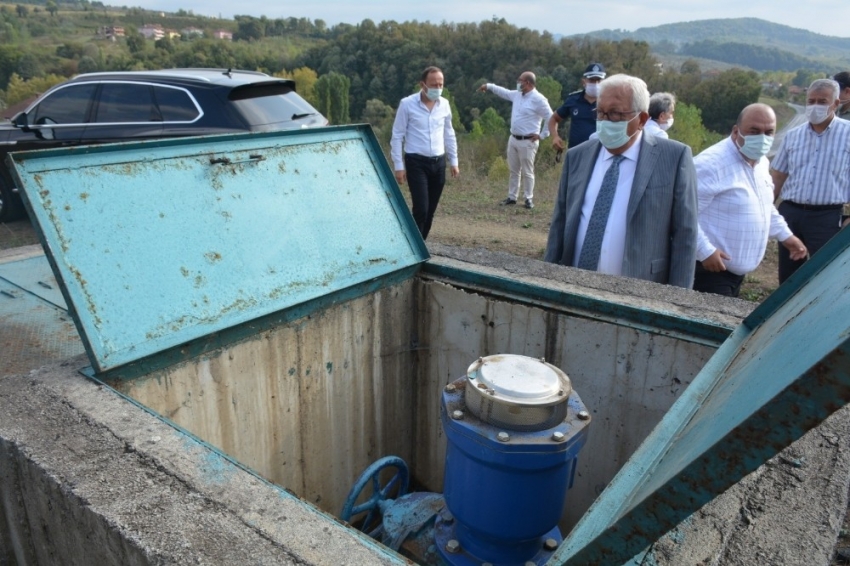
{"x":589,"y":258}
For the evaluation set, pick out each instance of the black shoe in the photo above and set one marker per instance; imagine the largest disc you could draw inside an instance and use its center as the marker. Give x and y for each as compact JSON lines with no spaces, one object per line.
{"x":528,"y":204}
{"x":507,"y":201}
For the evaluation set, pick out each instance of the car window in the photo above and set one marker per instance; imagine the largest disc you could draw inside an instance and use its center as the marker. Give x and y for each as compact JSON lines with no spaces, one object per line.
{"x":68,"y":105}
{"x":126,"y":103}
{"x":277,"y":108}
{"x":176,"y":105}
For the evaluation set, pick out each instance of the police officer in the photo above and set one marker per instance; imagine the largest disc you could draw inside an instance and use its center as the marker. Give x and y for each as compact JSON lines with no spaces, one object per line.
{"x":580,"y":108}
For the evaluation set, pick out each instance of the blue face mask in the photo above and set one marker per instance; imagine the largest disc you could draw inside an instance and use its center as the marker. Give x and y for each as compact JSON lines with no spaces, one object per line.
{"x":756,"y":146}
{"x":433,"y":93}
{"x":614,"y":134}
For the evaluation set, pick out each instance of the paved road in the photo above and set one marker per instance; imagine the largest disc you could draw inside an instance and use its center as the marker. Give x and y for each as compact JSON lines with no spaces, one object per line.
{"x":798,"y":119}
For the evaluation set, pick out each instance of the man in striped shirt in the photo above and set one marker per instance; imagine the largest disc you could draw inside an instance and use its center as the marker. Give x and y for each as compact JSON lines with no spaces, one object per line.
{"x":811,"y":173}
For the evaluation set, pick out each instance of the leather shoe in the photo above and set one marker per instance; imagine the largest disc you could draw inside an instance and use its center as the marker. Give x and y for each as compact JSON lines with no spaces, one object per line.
{"x":507,"y":201}
{"x":528,"y":204}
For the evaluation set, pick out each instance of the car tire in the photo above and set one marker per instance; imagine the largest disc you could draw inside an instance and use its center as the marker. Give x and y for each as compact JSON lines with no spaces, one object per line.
{"x":11,"y":206}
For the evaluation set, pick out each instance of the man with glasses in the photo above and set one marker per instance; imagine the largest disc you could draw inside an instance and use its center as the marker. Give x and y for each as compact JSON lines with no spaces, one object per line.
{"x":627,"y":201}
{"x":529,"y":110}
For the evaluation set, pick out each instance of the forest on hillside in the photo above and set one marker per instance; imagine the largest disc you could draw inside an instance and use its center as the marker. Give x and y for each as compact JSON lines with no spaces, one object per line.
{"x":357,"y":72}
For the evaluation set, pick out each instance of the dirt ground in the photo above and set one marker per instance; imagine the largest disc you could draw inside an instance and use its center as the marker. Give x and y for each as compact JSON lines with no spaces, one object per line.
{"x":517,"y":231}
{"x":529,"y":239}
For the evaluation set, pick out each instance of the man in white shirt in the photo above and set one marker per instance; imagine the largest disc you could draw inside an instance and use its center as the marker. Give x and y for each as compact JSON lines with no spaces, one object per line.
{"x":662,"y":105}
{"x":423,"y":126}
{"x":810,"y":173}
{"x":530,"y":110}
{"x":735,"y":201}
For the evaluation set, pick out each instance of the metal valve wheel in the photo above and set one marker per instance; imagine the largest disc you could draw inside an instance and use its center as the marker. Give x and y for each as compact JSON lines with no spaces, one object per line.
{"x":393,"y":489}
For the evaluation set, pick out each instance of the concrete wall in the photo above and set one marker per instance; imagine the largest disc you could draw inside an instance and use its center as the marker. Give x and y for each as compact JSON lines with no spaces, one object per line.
{"x":310,"y":405}
{"x":88,"y":477}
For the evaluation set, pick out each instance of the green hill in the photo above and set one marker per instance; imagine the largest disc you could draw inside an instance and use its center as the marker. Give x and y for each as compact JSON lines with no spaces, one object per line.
{"x":750,"y":42}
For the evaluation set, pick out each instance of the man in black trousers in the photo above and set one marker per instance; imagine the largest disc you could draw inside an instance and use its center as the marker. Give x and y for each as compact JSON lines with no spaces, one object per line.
{"x":423,"y":126}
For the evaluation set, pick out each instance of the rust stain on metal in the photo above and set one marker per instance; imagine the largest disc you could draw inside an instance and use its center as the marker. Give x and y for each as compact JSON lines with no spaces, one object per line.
{"x":213,"y":257}
{"x":84,"y":287}
{"x":84,"y":196}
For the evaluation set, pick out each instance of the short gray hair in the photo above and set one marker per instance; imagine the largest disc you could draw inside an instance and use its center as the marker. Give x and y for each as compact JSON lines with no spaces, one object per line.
{"x":640,"y":94}
{"x":661,"y":102}
{"x":825,"y":85}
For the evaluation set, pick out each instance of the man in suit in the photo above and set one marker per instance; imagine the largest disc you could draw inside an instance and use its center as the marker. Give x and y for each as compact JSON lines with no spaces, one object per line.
{"x":646,"y":223}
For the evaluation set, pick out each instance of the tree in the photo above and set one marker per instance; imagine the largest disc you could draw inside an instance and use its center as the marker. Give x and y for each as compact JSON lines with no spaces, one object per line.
{"x":340,"y":84}
{"x":381,"y":117}
{"x":52,"y":7}
{"x":20,"y":89}
{"x":721,"y":99}
{"x":135,"y":42}
{"x":332,"y":97}
{"x":491,"y":123}
{"x":249,"y":28}
{"x":551,"y":89}
{"x":689,"y":129}
{"x":305,"y":80}
{"x":87,"y":65}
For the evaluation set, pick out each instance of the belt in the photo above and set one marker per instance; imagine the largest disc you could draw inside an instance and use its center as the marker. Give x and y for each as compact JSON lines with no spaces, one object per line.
{"x":814,"y":206}
{"x":429,"y":158}
{"x":523,"y":137}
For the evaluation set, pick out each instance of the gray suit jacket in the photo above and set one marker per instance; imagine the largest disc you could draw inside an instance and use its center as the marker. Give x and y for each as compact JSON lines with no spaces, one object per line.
{"x":661,"y":233}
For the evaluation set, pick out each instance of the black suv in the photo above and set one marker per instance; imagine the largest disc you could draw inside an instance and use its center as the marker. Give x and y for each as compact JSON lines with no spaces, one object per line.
{"x":110,"y":107}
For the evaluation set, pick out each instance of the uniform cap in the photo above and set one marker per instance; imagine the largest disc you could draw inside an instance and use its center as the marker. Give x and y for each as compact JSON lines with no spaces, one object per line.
{"x":594,"y":70}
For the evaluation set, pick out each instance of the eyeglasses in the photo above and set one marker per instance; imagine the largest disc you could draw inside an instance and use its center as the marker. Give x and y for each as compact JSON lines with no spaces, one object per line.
{"x":614,"y":116}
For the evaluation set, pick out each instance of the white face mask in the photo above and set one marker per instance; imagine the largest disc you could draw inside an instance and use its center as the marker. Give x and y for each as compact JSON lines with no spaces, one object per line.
{"x":666,"y":125}
{"x":519,"y":87}
{"x":817,"y":113}
{"x":591,"y":90}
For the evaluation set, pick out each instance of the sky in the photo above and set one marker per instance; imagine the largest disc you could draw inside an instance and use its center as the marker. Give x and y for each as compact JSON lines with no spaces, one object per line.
{"x":566,"y":17}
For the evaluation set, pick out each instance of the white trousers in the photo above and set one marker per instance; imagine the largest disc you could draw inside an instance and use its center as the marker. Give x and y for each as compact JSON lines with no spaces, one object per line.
{"x":521,"y":154}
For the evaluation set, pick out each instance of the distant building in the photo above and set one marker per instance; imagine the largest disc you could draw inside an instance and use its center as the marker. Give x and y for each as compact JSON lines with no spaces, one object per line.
{"x":152,"y":31}
{"x":110,"y":32}
{"x":172,"y":34}
{"x":223,"y":34}
{"x":191,"y":32}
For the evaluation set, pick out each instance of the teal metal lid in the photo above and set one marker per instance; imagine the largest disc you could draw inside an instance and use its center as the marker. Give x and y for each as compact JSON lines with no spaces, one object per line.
{"x":156,"y":244}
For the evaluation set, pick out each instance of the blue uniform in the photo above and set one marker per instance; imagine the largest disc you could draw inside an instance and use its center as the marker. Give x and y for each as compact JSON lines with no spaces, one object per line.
{"x":582,"y":116}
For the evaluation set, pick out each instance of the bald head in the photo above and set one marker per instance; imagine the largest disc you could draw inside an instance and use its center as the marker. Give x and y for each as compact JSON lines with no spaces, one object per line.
{"x":753,"y":132}
{"x":756,"y":118}
{"x":530,"y":77}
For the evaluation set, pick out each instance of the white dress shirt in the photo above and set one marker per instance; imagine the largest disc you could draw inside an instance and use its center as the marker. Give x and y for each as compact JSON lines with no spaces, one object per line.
{"x":654,"y":129}
{"x":736,"y":212}
{"x":614,"y":241}
{"x":818,"y":165}
{"x":423,"y":131}
{"x":529,"y":110}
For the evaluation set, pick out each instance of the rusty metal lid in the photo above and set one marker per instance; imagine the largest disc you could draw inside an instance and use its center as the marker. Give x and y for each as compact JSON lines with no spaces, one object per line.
{"x":158,"y":244}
